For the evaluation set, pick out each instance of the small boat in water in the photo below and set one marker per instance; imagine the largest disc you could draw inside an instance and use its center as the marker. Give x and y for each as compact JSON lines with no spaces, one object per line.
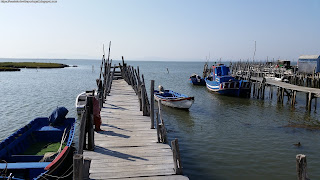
{"x":81,"y":100}
{"x":195,"y":79}
{"x":40,"y":150}
{"x":173,"y":99}
{"x":221,"y":82}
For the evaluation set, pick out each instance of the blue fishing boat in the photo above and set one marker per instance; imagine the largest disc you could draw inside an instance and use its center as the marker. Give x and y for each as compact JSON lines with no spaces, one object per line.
{"x":40,"y":150}
{"x":222,"y":82}
{"x":195,"y":79}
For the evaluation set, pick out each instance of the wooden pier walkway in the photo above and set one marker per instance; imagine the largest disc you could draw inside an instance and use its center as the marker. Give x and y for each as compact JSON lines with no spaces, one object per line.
{"x":128,"y":148}
{"x":315,"y":91}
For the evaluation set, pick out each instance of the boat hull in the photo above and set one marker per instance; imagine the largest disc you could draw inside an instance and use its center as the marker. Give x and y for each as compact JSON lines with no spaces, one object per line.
{"x":174,"y":99}
{"x":197,"y":82}
{"x":15,"y":150}
{"x":238,"y":88}
{"x":183,"y":103}
{"x":81,"y":102}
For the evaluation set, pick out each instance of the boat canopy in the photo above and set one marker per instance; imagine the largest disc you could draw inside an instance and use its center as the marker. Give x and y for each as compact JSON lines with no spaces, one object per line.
{"x":221,"y":70}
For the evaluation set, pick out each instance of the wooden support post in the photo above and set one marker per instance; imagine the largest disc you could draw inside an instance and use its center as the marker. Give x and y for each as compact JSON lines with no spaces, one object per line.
{"x":263,"y":90}
{"x":147,"y":104}
{"x":90,"y":123}
{"x":282,"y":95}
{"x":278,"y":94}
{"x":176,"y":156}
{"x":158,"y":127}
{"x":293,"y":100}
{"x":86,"y":168}
{"x":78,"y":167}
{"x":163,"y":131}
{"x":152,"y":104}
{"x":301,"y":167}
{"x":315,"y":103}
{"x":143,"y":100}
{"x":82,"y":132}
{"x":111,"y":79}
{"x":254,"y":89}
{"x":309,"y":100}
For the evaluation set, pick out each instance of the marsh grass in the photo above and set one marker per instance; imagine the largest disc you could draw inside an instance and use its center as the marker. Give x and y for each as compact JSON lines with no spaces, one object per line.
{"x":9,"y":65}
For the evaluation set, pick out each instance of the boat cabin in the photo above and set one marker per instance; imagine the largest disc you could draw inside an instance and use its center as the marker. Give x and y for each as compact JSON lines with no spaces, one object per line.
{"x":221,"y":70}
{"x":220,"y":73}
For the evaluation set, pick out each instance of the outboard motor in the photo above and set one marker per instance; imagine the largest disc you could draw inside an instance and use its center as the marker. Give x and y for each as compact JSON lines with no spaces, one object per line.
{"x":161,"y":90}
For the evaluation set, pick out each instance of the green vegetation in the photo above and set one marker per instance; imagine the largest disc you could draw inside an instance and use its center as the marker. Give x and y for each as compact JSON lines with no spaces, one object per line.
{"x":14,"y":66}
{"x":9,"y":69}
{"x":42,"y":148}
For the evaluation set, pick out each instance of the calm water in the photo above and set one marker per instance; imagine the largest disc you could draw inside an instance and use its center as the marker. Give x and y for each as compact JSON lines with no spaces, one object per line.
{"x":220,"y":137}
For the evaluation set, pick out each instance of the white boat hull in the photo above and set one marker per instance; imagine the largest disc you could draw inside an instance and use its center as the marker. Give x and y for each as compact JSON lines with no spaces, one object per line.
{"x":81,"y":102}
{"x":182,"y":103}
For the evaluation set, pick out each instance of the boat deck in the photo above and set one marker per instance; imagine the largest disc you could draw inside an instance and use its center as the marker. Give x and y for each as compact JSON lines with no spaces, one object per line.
{"x":128,"y":148}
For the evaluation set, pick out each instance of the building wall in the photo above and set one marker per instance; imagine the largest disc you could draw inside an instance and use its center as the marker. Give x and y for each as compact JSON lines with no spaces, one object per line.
{"x":308,"y":65}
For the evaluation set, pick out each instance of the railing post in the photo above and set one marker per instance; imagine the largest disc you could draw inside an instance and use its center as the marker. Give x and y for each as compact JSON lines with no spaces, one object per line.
{"x":163,"y":132}
{"x":176,"y":156}
{"x":158,"y":127}
{"x":78,"y":167}
{"x":90,"y":123}
{"x":152,"y":104}
{"x":82,"y":132}
{"x":143,"y":100}
{"x":301,"y":166}
{"x":86,"y":168}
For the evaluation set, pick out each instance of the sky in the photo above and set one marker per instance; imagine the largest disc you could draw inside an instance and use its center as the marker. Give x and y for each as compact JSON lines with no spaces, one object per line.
{"x":193,"y":30}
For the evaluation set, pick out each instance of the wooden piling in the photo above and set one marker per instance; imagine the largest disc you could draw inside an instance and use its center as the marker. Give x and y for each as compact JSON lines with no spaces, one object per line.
{"x":176,"y":156}
{"x":81,"y":142}
{"x":90,"y":123}
{"x":293,"y":98}
{"x":158,"y":127}
{"x":309,"y":101}
{"x":143,"y":100}
{"x":78,"y":167}
{"x":152,"y":104}
{"x":163,"y":131}
{"x":301,"y":167}
{"x":282,"y":95}
{"x":315,"y":103}
{"x":86,"y":168}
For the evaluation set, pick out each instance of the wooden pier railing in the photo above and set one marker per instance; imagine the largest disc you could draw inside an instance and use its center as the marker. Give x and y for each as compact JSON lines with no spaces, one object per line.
{"x":80,"y":165}
{"x":132,"y":77}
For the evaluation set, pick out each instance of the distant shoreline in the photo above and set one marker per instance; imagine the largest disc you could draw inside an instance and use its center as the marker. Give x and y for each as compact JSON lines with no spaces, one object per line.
{"x":15,"y":66}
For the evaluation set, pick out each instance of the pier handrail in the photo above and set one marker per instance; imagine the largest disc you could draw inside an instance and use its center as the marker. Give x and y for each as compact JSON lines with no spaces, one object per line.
{"x":86,"y":126}
{"x":132,"y":77}
{"x":80,"y":165}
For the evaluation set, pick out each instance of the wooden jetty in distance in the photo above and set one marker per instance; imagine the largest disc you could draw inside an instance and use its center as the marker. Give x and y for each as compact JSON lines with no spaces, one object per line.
{"x":264,"y":74}
{"x":130,"y":146}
